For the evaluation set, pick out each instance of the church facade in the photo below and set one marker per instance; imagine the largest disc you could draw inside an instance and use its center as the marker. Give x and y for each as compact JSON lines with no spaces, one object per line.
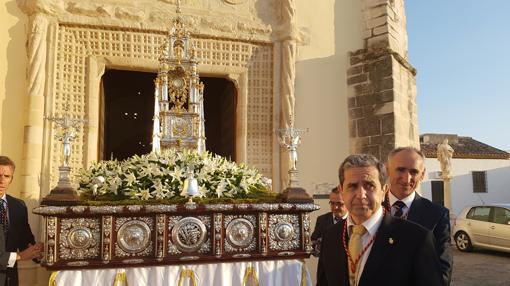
{"x":338,"y":68}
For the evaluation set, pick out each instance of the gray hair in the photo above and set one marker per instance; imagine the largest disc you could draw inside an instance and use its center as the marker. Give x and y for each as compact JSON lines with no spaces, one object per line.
{"x":362,"y":160}
{"x":407,"y":148}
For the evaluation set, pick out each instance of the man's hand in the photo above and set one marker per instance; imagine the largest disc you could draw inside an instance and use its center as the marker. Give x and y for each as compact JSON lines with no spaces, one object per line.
{"x":33,"y":251}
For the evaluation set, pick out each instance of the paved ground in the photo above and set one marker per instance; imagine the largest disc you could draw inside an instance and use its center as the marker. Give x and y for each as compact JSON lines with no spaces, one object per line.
{"x":480,"y":268}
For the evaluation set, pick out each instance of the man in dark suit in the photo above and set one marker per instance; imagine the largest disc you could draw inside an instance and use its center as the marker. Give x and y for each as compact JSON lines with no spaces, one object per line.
{"x":371,"y":247}
{"x":406,"y":169}
{"x":337,"y":213}
{"x":15,"y":227}
{"x":8,"y":259}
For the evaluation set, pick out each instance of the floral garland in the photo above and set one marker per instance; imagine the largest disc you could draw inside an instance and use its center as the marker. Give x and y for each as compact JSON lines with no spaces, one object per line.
{"x":163,"y":176}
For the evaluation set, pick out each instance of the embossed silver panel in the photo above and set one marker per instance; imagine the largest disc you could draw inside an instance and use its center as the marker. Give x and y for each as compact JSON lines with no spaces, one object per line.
{"x":189,"y":234}
{"x":133,"y":236}
{"x":79,"y":238}
{"x":284,"y":232}
{"x":240,"y":232}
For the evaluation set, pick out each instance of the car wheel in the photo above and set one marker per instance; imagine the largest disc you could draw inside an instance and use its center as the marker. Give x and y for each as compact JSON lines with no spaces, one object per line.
{"x":463,"y":241}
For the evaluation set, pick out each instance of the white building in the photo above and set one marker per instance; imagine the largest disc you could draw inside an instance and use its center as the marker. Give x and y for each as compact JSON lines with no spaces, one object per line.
{"x":480,"y":173}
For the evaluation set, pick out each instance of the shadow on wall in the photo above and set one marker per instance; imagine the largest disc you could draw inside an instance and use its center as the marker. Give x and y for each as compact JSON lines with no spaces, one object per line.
{"x":321,"y":95}
{"x":13,"y":112}
{"x":318,"y":80}
{"x":462,"y":194}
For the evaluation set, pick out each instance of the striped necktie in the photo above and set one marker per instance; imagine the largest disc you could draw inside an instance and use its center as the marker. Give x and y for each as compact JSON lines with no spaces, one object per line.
{"x":399,"y":208}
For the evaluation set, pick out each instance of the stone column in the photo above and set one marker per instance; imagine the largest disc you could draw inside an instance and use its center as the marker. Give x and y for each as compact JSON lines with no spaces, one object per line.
{"x":241,"y":83}
{"x":34,"y":121}
{"x":288,"y":35}
{"x":382,"y":87}
{"x":96,"y":68}
{"x":39,"y":17}
{"x":447,"y":193}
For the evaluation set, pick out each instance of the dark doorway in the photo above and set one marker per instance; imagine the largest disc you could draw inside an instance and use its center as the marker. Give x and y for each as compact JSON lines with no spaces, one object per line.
{"x":438,"y":192}
{"x":128,"y":113}
{"x":128,"y":110}
{"x":219,"y":110}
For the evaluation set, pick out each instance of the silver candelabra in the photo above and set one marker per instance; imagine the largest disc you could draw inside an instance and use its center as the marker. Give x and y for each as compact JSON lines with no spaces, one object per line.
{"x":290,"y":138}
{"x":66,"y":134}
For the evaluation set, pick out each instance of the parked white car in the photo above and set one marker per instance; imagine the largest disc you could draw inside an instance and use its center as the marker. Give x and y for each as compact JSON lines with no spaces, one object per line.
{"x":483,"y":226}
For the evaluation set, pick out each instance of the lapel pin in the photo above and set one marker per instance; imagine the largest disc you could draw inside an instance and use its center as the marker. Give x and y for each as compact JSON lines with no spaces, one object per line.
{"x":391,"y":241}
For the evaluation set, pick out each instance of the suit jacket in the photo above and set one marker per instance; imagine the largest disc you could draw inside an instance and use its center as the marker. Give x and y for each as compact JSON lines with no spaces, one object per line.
{"x":323,"y":222}
{"x":4,"y":257}
{"x":436,"y":219}
{"x":19,"y":234}
{"x":403,"y":254}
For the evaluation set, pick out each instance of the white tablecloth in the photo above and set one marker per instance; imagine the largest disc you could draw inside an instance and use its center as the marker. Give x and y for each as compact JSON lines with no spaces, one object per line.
{"x":260,"y":273}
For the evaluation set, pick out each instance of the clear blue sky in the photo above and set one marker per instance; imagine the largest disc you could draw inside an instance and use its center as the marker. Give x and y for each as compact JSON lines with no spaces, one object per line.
{"x":461,"y":49}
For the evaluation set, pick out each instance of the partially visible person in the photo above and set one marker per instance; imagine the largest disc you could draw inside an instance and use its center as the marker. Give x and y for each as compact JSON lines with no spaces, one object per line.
{"x":8,"y":259}
{"x":406,"y":170}
{"x":19,"y":240}
{"x":372,"y":247}
{"x":337,"y":213}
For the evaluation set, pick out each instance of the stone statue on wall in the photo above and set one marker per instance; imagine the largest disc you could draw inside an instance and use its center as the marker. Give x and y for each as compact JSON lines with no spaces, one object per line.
{"x":444,"y":156}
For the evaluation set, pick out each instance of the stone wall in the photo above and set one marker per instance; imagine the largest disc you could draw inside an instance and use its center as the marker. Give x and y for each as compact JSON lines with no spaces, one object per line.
{"x":382,"y":87}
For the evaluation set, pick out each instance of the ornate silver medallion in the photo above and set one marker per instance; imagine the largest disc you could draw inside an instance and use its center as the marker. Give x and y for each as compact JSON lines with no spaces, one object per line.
{"x":133,"y":236}
{"x":240,"y":232}
{"x":79,"y":237}
{"x":284,"y":231}
{"x":189,"y":234}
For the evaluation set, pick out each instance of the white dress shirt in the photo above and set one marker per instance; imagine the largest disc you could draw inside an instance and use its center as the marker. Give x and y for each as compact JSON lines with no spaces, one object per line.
{"x":372,"y":225}
{"x":344,"y":217}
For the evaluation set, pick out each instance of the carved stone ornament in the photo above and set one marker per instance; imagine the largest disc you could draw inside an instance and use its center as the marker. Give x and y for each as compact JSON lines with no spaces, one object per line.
{"x":240,"y":232}
{"x":189,"y":234}
{"x":133,"y":236}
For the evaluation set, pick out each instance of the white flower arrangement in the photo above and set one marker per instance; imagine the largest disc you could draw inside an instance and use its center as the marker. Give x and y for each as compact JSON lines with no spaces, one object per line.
{"x":162,"y":177}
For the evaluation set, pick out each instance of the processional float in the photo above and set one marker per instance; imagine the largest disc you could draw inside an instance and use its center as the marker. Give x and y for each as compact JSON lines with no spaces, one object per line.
{"x":179,"y":204}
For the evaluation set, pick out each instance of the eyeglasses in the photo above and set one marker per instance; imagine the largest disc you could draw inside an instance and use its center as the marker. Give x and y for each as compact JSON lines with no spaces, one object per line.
{"x":340,"y":204}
